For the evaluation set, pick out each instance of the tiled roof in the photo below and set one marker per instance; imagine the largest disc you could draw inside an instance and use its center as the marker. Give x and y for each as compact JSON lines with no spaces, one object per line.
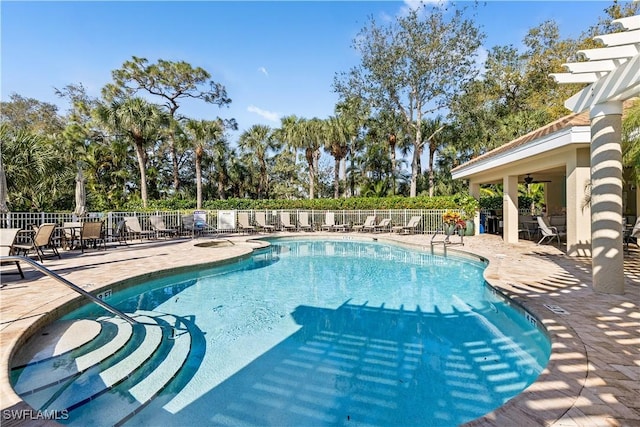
{"x":575,"y":119}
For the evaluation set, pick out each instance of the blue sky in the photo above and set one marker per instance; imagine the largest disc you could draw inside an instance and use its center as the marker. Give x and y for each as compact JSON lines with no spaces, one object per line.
{"x":274,"y":58}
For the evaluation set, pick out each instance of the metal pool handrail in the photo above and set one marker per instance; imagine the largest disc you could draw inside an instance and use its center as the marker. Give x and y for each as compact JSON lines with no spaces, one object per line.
{"x":70,"y":285}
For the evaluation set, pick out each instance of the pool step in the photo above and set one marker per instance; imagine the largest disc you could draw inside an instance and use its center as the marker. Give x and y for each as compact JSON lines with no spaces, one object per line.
{"x":109,"y":379}
{"x":42,"y":374}
{"x":131,"y":395}
{"x":168,"y":367}
{"x":101,"y":378}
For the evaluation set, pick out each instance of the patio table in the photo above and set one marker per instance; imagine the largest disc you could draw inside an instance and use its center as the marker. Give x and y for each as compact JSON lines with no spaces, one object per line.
{"x":70,"y":234}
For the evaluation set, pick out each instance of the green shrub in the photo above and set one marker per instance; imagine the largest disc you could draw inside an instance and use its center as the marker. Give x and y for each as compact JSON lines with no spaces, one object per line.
{"x":495,"y":202}
{"x":459,"y":201}
{"x":353,"y":203}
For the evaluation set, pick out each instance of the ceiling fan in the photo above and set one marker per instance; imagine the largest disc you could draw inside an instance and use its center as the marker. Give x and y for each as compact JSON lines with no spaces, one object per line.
{"x":529,"y":180}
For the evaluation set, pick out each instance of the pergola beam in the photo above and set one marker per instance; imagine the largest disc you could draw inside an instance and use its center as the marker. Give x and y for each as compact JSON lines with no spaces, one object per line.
{"x":616,"y":52}
{"x":629,"y":23}
{"x":575,"y":78}
{"x":619,"y":39}
{"x":620,"y":84}
{"x":603,"y":66}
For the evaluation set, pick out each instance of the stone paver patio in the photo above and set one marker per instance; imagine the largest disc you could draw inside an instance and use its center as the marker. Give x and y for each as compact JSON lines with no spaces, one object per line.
{"x":592,"y":379}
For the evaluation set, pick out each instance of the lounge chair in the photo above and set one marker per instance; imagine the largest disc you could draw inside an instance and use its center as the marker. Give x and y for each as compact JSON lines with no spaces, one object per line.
{"x":119,"y":233}
{"x":368,"y":224}
{"x":7,"y":240}
{"x":41,"y":240}
{"x":632,"y":236}
{"x":135,"y":229}
{"x":200,"y":221}
{"x":410,"y":227}
{"x":196,"y":224}
{"x":330,"y":223}
{"x":548,"y":232}
{"x":158,"y":225}
{"x":383,"y":225}
{"x":189,"y":225}
{"x":243,"y":223}
{"x":285,"y":222}
{"x":92,"y":232}
{"x":261,"y":222}
{"x":303,"y":221}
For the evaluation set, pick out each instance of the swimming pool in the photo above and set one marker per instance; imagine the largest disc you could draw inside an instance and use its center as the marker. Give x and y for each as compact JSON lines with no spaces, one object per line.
{"x":306,"y":332}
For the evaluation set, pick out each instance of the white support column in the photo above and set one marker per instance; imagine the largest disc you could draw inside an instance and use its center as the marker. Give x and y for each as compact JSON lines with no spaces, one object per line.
{"x":510,"y":208}
{"x":606,"y":198}
{"x":474,"y":191}
{"x":578,"y":208}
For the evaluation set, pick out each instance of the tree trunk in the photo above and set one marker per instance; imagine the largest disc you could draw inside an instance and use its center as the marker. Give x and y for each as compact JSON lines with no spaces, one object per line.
{"x":221,"y":184}
{"x":312,"y":173}
{"x":432,"y":152}
{"x":343,"y":175}
{"x":393,"y":171}
{"x":352,"y":180}
{"x":141,"y":155}
{"x":198,"y":181}
{"x":336,"y":179}
{"x":415,"y":164}
{"x":263,"y":187}
{"x":174,"y":162}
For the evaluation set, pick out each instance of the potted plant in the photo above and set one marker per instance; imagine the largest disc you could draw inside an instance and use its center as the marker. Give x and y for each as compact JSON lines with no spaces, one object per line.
{"x":470,"y":206}
{"x":453,"y":223}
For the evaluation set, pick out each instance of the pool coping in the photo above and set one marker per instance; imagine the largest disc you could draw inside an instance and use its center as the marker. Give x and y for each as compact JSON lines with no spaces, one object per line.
{"x":558,"y":397}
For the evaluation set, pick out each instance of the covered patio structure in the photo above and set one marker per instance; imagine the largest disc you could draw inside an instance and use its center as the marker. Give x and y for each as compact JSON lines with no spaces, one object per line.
{"x":580,"y":157}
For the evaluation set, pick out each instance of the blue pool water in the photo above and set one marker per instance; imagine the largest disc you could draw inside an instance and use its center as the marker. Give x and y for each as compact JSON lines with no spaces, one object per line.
{"x":311,"y":332}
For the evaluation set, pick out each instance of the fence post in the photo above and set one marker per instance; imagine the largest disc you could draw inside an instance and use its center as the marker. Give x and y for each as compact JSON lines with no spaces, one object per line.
{"x":109,"y":225}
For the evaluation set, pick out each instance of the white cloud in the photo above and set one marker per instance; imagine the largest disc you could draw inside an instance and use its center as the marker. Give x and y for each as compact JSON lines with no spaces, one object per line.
{"x":410,"y":5}
{"x":263,"y":71}
{"x":269,"y":115}
{"x":481,"y":60}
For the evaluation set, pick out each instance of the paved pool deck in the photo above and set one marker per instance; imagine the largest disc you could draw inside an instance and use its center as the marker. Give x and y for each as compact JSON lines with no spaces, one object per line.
{"x":592,"y":379}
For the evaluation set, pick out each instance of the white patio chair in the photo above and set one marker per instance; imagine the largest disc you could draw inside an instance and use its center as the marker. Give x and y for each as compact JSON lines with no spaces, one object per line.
{"x":261,"y":222}
{"x":632,"y":236}
{"x":243,"y":223}
{"x":158,"y":225}
{"x":330,"y":223}
{"x":285,"y":222}
{"x":368,"y":224}
{"x":134,"y":229}
{"x":410,"y":227}
{"x":303,"y":221}
{"x":383,"y":225}
{"x":548,"y":232}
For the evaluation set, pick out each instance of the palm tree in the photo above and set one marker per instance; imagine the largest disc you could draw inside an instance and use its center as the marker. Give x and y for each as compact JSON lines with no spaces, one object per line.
{"x":222,"y":156}
{"x":34,"y":169}
{"x":353,"y":113}
{"x":336,"y":144}
{"x":203,"y":135}
{"x":138,"y":121}
{"x":306,"y":135}
{"x":259,"y":140}
{"x":284,"y":135}
{"x":109,"y":170}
